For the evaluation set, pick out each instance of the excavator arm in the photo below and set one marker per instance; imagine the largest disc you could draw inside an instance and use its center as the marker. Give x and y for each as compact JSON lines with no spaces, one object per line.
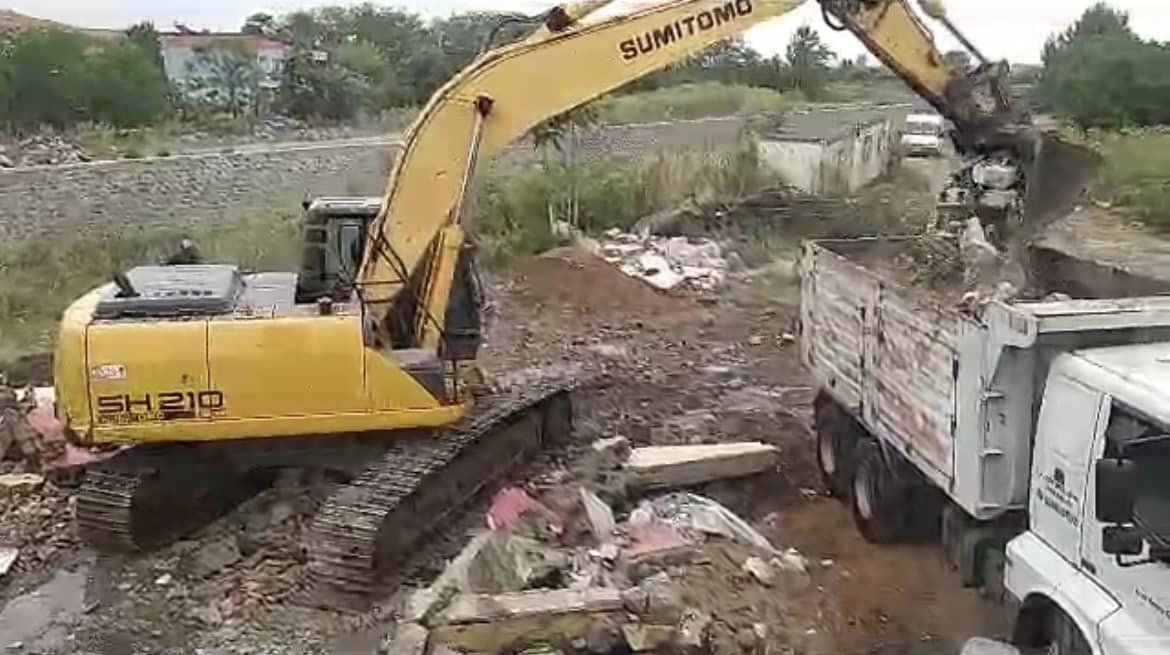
{"x":413,"y":245}
{"x":494,"y":101}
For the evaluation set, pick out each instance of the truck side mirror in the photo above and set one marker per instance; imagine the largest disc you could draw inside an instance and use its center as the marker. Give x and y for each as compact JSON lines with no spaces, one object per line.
{"x":1116,"y":490}
{"x":1122,"y":540}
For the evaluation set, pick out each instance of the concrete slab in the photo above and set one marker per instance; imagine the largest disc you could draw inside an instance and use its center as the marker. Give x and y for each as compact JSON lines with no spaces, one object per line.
{"x":656,"y":467}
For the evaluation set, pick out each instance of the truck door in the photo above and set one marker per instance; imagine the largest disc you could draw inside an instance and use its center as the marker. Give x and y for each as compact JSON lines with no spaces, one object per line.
{"x":1068,"y":422}
{"x":1143,"y":591}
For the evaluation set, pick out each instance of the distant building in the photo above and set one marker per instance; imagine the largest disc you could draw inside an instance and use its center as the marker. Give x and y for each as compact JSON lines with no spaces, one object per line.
{"x":181,"y":52}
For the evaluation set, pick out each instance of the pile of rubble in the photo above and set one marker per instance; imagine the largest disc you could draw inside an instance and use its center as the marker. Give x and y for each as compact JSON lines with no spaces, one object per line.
{"x":557,"y":573}
{"x":669,"y":262}
{"x":44,"y":150}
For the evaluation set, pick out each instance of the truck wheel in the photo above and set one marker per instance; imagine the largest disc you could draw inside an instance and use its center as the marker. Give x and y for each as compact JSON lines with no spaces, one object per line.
{"x":1066,"y":637}
{"x":876,"y":496}
{"x":991,"y":564}
{"x":837,"y":439}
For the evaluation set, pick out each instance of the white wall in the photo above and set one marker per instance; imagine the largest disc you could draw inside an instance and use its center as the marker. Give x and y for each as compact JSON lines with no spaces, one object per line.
{"x":838,"y":166}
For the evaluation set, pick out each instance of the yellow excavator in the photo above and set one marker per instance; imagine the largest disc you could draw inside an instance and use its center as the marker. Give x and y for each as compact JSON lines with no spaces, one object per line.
{"x":360,"y":362}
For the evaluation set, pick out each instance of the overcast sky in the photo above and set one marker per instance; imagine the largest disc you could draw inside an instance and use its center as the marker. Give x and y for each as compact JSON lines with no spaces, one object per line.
{"x":1011,"y":29}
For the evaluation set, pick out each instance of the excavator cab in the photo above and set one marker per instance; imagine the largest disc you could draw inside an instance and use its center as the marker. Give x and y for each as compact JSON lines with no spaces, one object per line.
{"x":333,"y":231}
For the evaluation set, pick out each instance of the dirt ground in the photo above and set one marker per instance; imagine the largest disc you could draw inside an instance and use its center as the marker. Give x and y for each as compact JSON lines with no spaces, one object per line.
{"x":669,"y":369}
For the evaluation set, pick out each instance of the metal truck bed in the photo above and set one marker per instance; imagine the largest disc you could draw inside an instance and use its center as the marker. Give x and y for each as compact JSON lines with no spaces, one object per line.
{"x":954,"y":393}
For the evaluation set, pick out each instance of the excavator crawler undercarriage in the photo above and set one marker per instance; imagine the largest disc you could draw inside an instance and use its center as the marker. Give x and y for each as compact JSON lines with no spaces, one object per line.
{"x":403,"y":486}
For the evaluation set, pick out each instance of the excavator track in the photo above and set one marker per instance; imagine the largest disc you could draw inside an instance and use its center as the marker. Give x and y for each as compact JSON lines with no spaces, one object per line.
{"x":366,"y":528}
{"x":146,"y":497}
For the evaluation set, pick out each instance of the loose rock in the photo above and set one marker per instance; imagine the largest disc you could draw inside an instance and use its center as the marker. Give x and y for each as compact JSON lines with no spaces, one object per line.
{"x":601,"y":520}
{"x":209,"y":615}
{"x":407,"y":639}
{"x":509,"y":562}
{"x":211,"y":558}
{"x":20,"y":482}
{"x":760,"y":570}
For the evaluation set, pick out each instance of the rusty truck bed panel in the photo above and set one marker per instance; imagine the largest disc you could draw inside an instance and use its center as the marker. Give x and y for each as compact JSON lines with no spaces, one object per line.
{"x":886,"y":353}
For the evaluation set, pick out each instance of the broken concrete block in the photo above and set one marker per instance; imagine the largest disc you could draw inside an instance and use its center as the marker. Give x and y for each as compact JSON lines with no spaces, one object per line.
{"x":601,"y":520}
{"x":509,"y":562}
{"x":610,"y":453}
{"x":644,"y":637}
{"x":472,"y":608}
{"x":7,"y":558}
{"x":760,"y":570}
{"x":407,"y":639}
{"x":656,"y":600}
{"x":489,"y":624}
{"x":681,"y":466}
{"x":20,"y":482}
{"x":422,"y":604}
{"x":454,"y":576}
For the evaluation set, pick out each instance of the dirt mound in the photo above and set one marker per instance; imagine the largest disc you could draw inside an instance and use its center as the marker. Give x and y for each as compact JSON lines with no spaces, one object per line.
{"x":569,"y":278}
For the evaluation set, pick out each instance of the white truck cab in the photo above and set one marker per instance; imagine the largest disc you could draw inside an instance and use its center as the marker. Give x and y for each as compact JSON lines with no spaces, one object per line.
{"x":1098,"y":544}
{"x":923,"y":135}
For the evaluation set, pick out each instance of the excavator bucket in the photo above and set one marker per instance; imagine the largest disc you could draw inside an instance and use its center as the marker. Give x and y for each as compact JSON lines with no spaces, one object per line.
{"x":1057,"y":175}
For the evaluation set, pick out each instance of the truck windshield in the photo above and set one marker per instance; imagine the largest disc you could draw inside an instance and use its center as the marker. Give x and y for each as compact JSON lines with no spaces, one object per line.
{"x":1147,"y":444}
{"x":922,"y":127}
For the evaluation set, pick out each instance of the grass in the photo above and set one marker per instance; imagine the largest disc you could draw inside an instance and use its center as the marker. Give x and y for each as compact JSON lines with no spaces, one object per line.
{"x":1136,"y":173}
{"x":39,"y":279}
{"x":689,"y":101}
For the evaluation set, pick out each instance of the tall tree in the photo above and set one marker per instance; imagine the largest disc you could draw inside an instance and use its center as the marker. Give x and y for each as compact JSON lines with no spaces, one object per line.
{"x":46,"y":78}
{"x":127,"y":87}
{"x":1099,"y":73}
{"x":808,"y":60}
{"x":145,"y":37}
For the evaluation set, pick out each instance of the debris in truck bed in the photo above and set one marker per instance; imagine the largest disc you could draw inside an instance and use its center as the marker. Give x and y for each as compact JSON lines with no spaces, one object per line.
{"x":667,"y":467}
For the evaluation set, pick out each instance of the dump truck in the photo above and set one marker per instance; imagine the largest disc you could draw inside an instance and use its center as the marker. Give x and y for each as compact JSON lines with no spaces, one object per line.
{"x":1031,"y":438}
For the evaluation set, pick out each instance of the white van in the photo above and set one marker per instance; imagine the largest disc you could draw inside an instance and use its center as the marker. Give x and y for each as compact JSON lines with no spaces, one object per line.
{"x":923,"y":135}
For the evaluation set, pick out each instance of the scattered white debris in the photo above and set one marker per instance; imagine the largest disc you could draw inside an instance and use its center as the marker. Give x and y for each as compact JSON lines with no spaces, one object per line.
{"x":18,"y":482}
{"x":163,"y":580}
{"x":697,"y":513}
{"x":667,"y":262}
{"x":7,"y":558}
{"x":982,"y":646}
{"x":760,"y":570}
{"x":601,"y":520}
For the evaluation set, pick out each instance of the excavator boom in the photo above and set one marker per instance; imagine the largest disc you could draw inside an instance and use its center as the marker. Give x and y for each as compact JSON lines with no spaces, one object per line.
{"x":509,"y":90}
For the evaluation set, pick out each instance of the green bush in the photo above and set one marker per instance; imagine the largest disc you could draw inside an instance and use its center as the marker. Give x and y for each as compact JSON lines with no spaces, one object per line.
{"x":1137,"y":173}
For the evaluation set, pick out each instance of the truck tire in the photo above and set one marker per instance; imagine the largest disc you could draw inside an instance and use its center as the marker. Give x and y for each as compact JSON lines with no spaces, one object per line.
{"x":1066,"y":637}
{"x":877,"y":496}
{"x":837,"y":438}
